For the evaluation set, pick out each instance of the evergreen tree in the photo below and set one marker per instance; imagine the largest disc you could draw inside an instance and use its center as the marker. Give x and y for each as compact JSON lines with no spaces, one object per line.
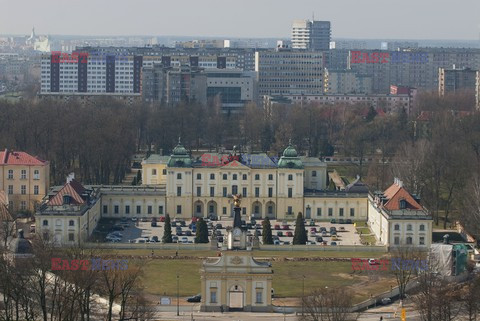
{"x":139,"y":176}
{"x":267,"y":232}
{"x":371,"y":114}
{"x":167,"y":230}
{"x":300,"y":236}
{"x":134,"y":181}
{"x":201,"y":235}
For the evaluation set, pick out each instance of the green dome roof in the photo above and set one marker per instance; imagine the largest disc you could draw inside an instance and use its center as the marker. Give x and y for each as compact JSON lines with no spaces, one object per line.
{"x":180,"y":157}
{"x":290,"y":158}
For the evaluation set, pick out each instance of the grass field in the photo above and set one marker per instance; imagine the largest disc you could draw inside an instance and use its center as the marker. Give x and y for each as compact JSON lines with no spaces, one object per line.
{"x":161,"y":278}
{"x":160,"y":275}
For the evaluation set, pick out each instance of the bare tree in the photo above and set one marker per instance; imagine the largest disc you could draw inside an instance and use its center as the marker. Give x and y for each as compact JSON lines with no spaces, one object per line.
{"x":329,"y":305}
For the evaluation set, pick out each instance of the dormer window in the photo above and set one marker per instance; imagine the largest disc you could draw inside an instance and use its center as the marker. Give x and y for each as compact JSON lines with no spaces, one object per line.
{"x":67,"y":199}
{"x":403,"y":204}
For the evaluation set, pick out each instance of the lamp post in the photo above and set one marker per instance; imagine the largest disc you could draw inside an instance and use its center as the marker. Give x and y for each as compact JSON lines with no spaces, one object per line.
{"x":178,"y":298}
{"x":303,"y":294}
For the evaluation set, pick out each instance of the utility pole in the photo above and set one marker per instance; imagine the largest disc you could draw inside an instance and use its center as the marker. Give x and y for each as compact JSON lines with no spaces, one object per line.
{"x":178,"y":297}
{"x":303,"y":294}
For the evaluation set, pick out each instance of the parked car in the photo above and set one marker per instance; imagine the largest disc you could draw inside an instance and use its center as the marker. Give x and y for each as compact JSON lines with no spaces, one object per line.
{"x":280,"y":233}
{"x":341,"y":229}
{"x":134,"y":219}
{"x":174,"y":239}
{"x":333,"y":228}
{"x":286,"y":243}
{"x":276,"y":242}
{"x":218,"y":226}
{"x":195,"y":298}
{"x":313,"y":229}
{"x":341,"y":221}
{"x":349,"y":221}
{"x":183,"y":224}
{"x":386,"y":301}
{"x":194,"y":219}
{"x":311,"y":243}
{"x":277,"y":227}
{"x":333,"y":243}
{"x":334,"y":238}
{"x":162,"y":218}
{"x":153,"y":224}
{"x":323,"y":228}
{"x":319,"y":239}
{"x":155,"y":238}
{"x":253,"y":222}
{"x":373,"y":262}
{"x":333,"y":221}
{"x":141,"y":241}
{"x":289,"y":234}
{"x":220,"y":239}
{"x":188,"y":233}
{"x":179,"y":233}
{"x":113,"y":238}
{"x":312,"y":222}
{"x":324,"y":233}
{"x":275,"y":237}
{"x":184,"y":239}
{"x":333,"y":232}
{"x":144,"y":219}
{"x":285,"y":227}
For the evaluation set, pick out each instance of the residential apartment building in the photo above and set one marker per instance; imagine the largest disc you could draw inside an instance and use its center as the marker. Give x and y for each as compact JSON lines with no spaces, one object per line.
{"x":24,"y":178}
{"x":289,"y":72}
{"x":456,"y":80}
{"x":397,"y":218}
{"x":346,"y":82}
{"x":386,"y":102}
{"x":308,"y":34}
{"x":477,"y":90}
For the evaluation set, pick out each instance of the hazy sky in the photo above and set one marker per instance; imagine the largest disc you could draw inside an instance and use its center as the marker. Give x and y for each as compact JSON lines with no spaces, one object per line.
{"x":404,"y":19}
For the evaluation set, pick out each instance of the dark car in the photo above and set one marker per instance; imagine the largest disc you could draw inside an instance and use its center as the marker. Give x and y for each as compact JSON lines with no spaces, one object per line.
{"x":183,"y":224}
{"x":179,"y":233}
{"x":333,"y":221}
{"x":220,"y":239}
{"x":155,"y":239}
{"x":341,"y":221}
{"x":153,"y":224}
{"x":280,"y":233}
{"x":253,"y":222}
{"x":218,"y":226}
{"x":319,"y":239}
{"x":195,"y":298}
{"x":188,"y":233}
{"x":349,"y":221}
{"x":333,"y":243}
{"x":249,"y":226}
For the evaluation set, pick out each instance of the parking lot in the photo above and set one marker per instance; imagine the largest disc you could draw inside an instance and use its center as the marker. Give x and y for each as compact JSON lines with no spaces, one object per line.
{"x":319,"y":232}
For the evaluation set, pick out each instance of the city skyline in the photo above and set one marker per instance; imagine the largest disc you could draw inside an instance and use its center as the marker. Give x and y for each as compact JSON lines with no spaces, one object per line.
{"x":270,"y":19}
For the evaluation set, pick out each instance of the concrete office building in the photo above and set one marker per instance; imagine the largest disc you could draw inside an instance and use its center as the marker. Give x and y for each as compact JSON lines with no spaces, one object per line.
{"x":308,"y":34}
{"x":289,"y":72}
{"x":454,"y":80}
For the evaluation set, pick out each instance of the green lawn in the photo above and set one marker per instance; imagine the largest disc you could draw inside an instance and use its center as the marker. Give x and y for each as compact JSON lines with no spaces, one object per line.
{"x":370,"y":239}
{"x":363,"y":230}
{"x":161,"y":275}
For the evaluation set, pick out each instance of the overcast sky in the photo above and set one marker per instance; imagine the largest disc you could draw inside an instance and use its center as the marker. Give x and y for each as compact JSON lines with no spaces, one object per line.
{"x":377,"y":19}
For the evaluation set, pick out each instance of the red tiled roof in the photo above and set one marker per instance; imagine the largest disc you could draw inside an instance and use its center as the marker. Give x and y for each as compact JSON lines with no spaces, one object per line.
{"x":74,"y":189}
{"x":395,"y":194}
{"x":8,"y":157}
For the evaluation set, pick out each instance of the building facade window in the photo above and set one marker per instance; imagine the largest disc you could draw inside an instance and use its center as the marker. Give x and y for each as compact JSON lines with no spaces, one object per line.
{"x":290,"y":210}
{"x":23,"y":205}
{"x":409,"y":240}
{"x":422,"y":227}
{"x":71,"y":237}
{"x":10,"y":189}
{"x":35,"y":190}
{"x":71,"y":223}
{"x":314,"y":173}
{"x":290,"y":177}
{"x":244,"y":192}
{"x":179,"y":175}
{"x":224,"y":210}
{"x":212,"y":176}
{"x":258,"y":297}
{"x":199,"y":176}
{"x":127,"y":209}
{"x":179,"y":191}
{"x":164,"y":172}
{"x":36,"y":174}
{"x":149,"y":209}
{"x":213,"y":296}
{"x":330,"y":211}
{"x":422,"y":240}
{"x":270,"y":192}
{"x":10,"y":174}
{"x":340,"y":212}
{"x":115,"y":209}
{"x":270,"y":177}
{"x":45,"y":223}
{"x":139,"y":209}
{"x":397,"y":227}
{"x":212,"y":191}
{"x":352,"y":212}
{"x":179,"y":209}
{"x":154,"y":172}
{"x":105,"y":209}
{"x":23,"y":174}
{"x":225,"y":177}
{"x":234,"y":189}
{"x":199,"y":191}
{"x":257,"y":177}
{"x":244,"y":177}
{"x":234,"y":177}
{"x":396,"y":240}
{"x":23,"y":189}
{"x":319,"y":211}
{"x":409,"y":227}
{"x":160,"y":209}
{"x":290,"y":192}
{"x":224,"y":192}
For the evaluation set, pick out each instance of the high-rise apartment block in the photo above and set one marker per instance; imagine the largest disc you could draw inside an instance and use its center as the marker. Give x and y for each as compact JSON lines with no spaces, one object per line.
{"x":289,"y":72}
{"x":308,"y":34}
{"x":454,"y":80}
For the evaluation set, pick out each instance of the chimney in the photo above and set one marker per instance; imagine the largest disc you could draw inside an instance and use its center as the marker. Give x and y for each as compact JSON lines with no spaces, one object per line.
{"x":70,"y":177}
{"x":400,"y":183}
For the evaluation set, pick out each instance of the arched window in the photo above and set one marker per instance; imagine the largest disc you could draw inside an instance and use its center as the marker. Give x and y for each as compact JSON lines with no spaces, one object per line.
{"x":422,"y":227}
{"x":409,"y":227}
{"x":71,"y":223}
{"x":409,"y":240}
{"x":397,"y":227}
{"x":45,"y":223}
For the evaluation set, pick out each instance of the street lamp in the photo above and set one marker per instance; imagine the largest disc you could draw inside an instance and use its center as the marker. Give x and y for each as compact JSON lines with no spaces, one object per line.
{"x":178,"y":298}
{"x":303,"y":293}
